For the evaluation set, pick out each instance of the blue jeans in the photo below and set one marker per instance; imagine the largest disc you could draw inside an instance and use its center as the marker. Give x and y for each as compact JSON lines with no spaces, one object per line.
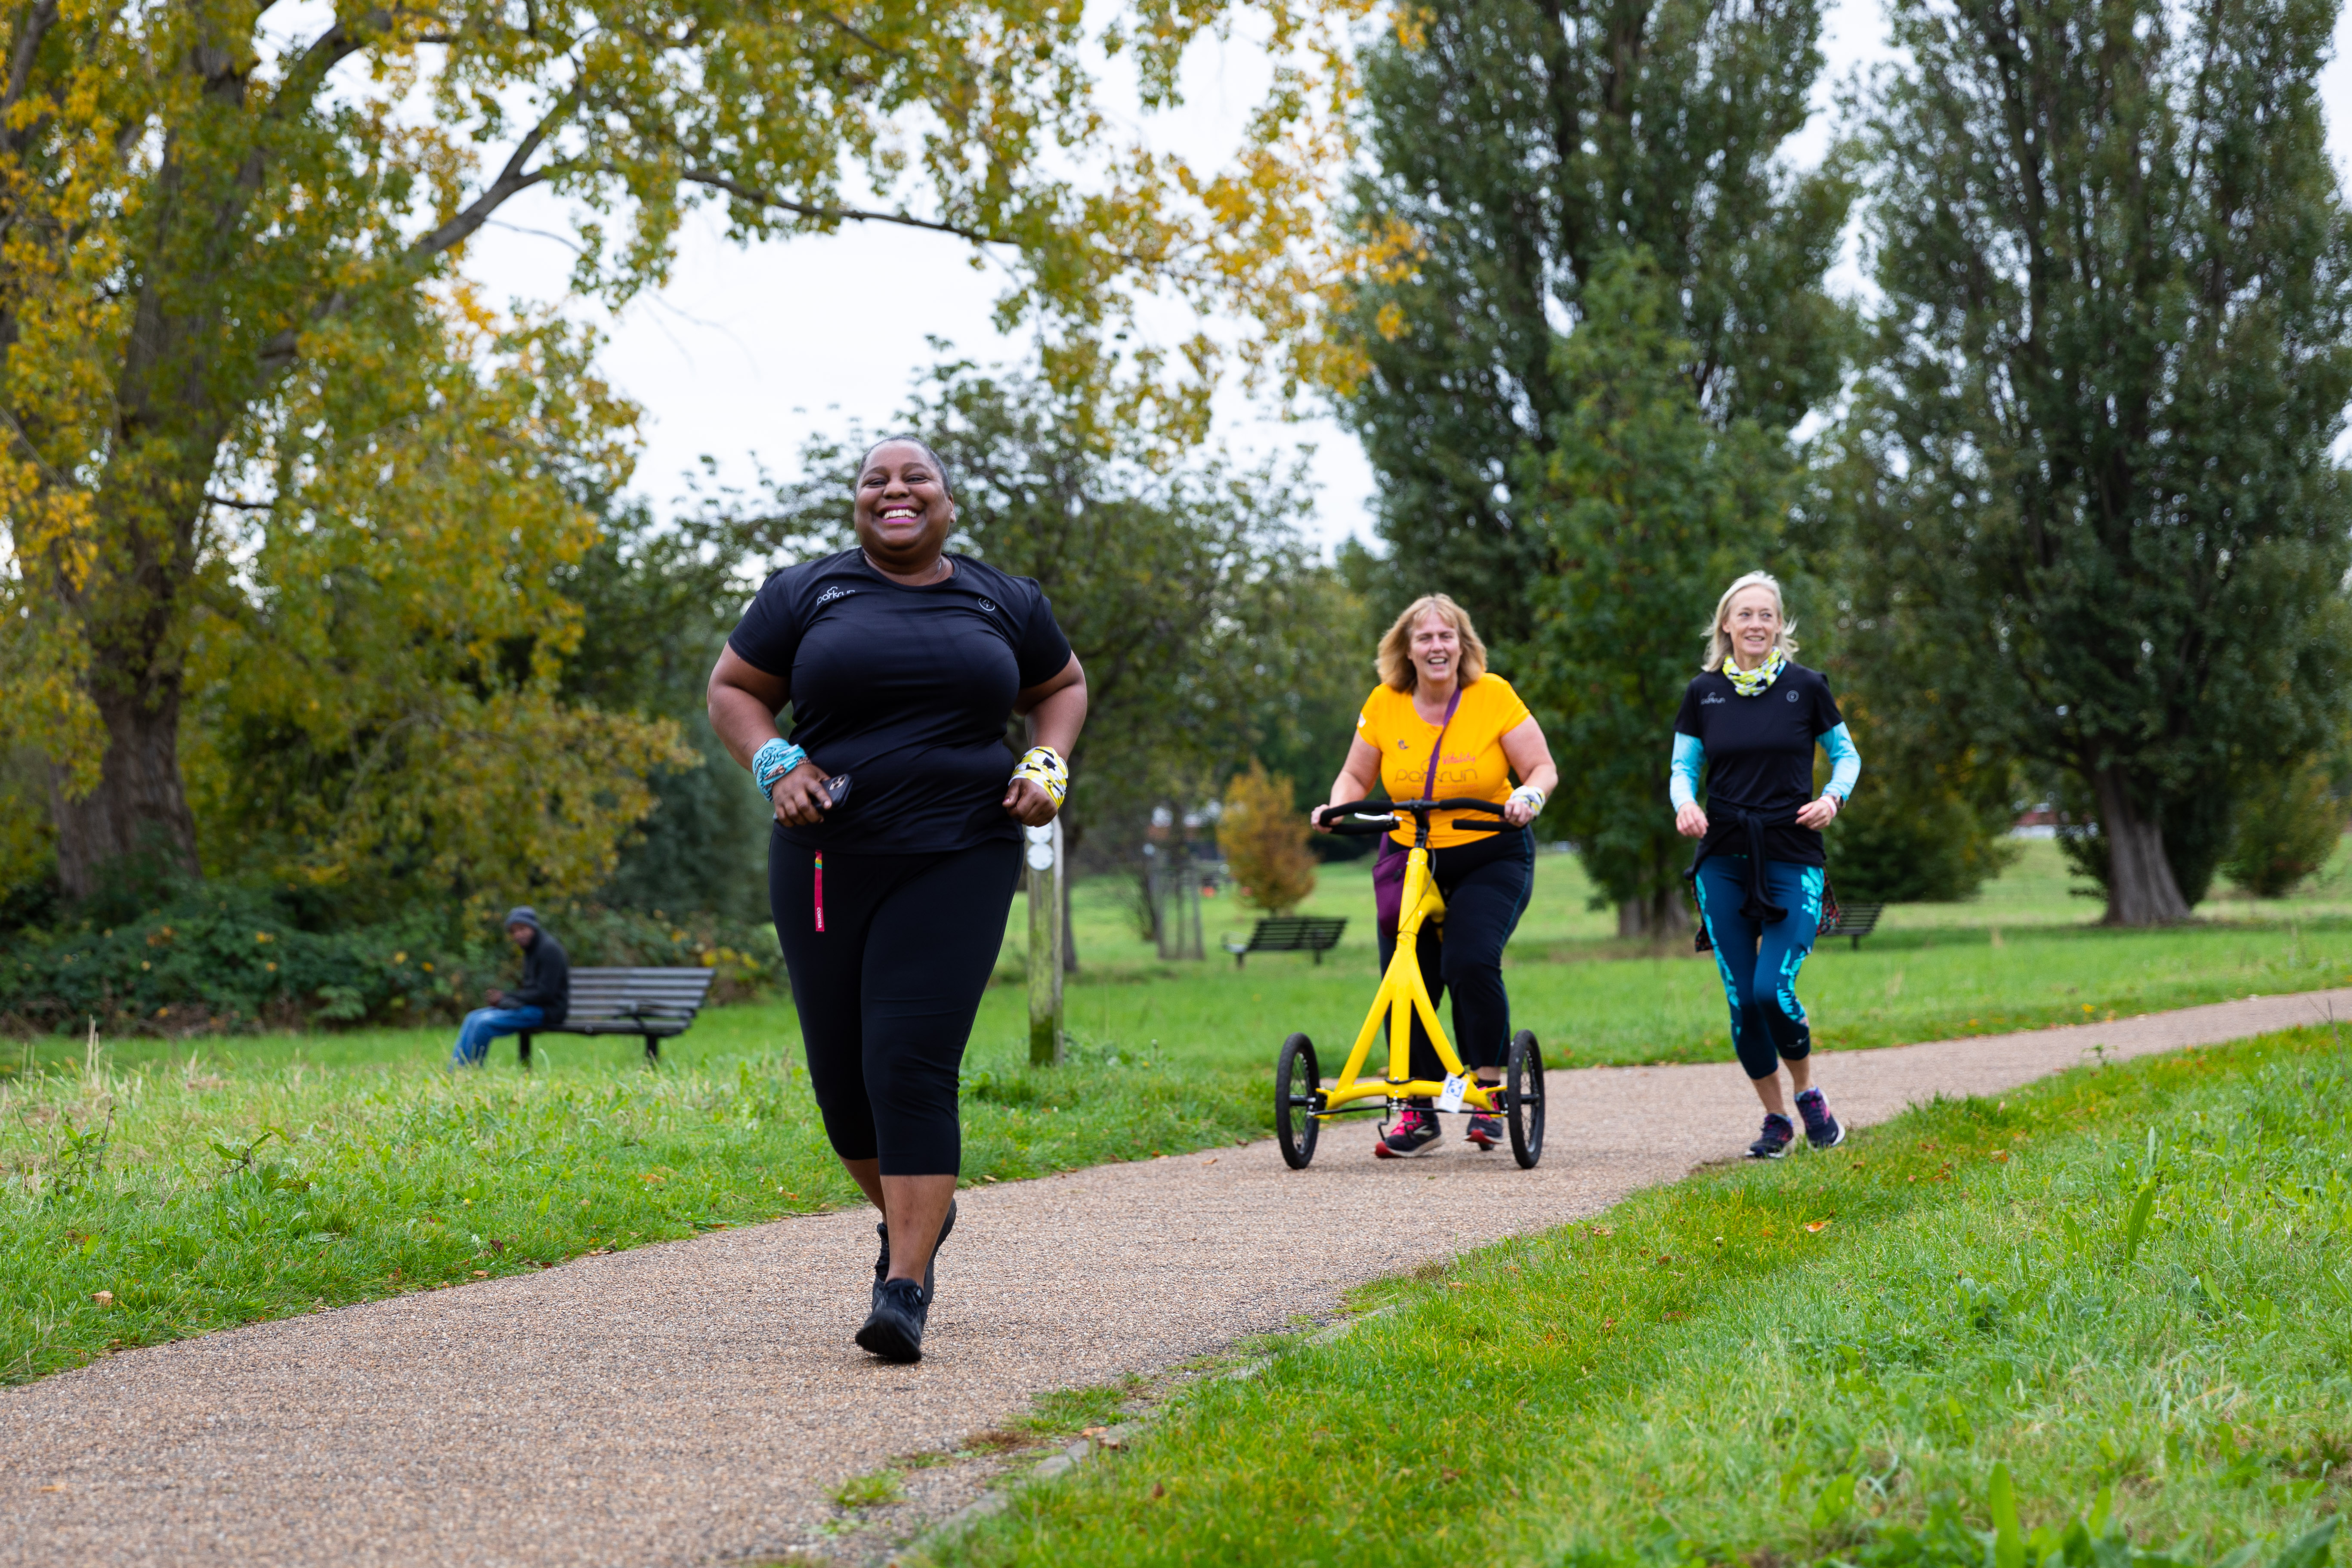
{"x":1760,"y":962}
{"x":484,"y":1024}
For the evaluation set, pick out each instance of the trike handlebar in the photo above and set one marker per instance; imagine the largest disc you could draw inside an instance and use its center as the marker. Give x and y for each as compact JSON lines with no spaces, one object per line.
{"x":1362,"y":818}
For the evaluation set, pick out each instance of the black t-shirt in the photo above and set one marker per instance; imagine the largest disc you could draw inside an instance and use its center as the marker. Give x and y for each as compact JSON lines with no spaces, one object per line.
{"x":907,"y":690}
{"x":1759,"y":756}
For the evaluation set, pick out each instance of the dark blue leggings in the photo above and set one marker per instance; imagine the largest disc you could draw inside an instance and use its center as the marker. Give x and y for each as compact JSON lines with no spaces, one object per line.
{"x":1760,"y":962}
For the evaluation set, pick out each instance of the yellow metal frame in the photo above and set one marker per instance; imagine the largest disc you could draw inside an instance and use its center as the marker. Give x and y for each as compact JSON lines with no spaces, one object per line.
{"x":1403,"y":994}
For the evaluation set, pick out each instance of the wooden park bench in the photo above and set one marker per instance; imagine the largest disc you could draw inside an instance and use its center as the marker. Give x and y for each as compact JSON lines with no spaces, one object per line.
{"x":651,"y":1003}
{"x":1290,"y":934}
{"x":1856,"y":921}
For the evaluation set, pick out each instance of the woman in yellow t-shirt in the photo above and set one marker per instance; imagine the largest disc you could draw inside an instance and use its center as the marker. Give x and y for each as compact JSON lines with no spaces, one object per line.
{"x":1433,"y":685}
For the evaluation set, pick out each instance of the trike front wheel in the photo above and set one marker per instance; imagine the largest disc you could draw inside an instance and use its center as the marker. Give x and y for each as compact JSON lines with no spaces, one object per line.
{"x":1296,"y":1086}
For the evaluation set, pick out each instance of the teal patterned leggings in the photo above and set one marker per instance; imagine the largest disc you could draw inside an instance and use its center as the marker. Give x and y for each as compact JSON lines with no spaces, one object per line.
{"x":1760,"y":962}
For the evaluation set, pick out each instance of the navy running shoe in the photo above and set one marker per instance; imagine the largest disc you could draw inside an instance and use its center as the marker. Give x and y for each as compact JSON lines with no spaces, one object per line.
{"x":1822,"y":1130}
{"x":1486,"y":1126}
{"x":1773,"y":1143}
{"x":1415,"y":1132}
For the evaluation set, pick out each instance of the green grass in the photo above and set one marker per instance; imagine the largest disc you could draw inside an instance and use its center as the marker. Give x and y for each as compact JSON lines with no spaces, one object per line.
{"x":373,"y":1172}
{"x":2117,"y":1299}
{"x":231,"y":1188}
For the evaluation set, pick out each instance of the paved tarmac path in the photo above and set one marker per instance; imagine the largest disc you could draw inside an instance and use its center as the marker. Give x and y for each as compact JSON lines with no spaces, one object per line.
{"x":693,"y":1402}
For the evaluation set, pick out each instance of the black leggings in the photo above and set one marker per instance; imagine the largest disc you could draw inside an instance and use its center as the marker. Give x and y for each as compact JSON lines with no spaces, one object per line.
{"x":887,"y":990}
{"x":1486,"y":886}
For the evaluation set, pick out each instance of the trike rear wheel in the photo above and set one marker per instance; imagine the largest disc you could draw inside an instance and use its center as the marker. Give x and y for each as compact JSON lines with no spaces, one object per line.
{"x":1523,"y":1100}
{"x":1296,"y":1086}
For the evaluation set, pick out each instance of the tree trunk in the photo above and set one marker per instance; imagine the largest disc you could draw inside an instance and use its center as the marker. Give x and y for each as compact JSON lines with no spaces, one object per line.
{"x":140,"y":807}
{"x":2141,"y":889}
{"x":1660,"y":917}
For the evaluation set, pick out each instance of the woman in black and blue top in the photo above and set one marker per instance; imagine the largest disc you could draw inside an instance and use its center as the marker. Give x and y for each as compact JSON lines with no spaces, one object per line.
{"x":1752,"y":717}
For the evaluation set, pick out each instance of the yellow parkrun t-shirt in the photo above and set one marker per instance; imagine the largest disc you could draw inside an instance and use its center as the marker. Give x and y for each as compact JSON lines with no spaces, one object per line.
{"x":1473,"y":764}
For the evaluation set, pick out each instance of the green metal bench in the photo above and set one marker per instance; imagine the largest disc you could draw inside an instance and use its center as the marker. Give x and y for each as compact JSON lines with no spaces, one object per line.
{"x":1855,"y":921}
{"x":1290,"y":934}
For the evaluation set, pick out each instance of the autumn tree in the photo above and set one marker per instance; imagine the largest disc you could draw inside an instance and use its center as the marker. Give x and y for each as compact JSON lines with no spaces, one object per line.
{"x":374,"y":714}
{"x":1264,"y":837}
{"x":2100,"y":513}
{"x":227,"y":257}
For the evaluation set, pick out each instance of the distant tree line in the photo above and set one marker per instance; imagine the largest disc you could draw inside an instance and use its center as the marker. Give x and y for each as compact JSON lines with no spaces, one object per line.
{"x":322,"y":579}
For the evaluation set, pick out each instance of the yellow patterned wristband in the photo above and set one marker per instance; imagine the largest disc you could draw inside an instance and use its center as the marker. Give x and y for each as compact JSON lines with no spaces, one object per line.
{"x":1044,"y":766}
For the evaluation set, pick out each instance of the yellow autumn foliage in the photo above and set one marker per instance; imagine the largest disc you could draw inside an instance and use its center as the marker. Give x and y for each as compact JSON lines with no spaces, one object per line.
{"x":1264,"y":837}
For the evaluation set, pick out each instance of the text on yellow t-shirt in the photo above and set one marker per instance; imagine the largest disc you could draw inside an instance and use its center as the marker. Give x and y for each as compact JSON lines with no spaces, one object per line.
{"x":1473,"y":764}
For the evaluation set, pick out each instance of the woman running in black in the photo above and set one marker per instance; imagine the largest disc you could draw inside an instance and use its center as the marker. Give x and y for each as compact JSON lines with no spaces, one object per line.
{"x":897,"y":839}
{"x":1752,"y":717}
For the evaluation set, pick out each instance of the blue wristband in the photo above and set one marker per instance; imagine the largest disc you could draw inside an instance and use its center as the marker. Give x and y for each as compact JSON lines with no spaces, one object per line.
{"x":773,"y":761}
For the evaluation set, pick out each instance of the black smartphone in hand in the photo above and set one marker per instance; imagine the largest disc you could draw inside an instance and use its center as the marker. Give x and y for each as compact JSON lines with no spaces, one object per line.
{"x":838,"y":788}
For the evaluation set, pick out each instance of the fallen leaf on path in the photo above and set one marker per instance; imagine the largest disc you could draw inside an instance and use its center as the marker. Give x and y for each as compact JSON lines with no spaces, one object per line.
{"x":1815,"y":1226}
{"x":481,"y":1274}
{"x":103,"y":1298}
{"x":58,"y":1487}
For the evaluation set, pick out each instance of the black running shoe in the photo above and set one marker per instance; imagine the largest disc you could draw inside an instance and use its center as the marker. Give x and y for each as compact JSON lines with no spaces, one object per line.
{"x":1822,"y":1130}
{"x":894,"y":1330}
{"x":1773,"y":1143}
{"x":1415,"y":1132}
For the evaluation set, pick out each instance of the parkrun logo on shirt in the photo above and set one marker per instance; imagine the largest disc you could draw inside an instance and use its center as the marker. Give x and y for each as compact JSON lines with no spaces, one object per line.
{"x":987,"y":605}
{"x":830,"y":595}
{"x":1712,"y":700}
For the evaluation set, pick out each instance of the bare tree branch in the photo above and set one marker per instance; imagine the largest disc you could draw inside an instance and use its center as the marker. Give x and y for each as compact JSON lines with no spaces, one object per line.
{"x":842,"y":23}
{"x":758,"y":197}
{"x":512,"y":180}
{"x":279,"y":352}
{"x":327,"y":51}
{"x":241,"y":505}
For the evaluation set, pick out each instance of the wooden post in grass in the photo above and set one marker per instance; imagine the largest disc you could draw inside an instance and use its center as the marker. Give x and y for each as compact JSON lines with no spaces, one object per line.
{"x":1044,"y":853}
{"x":1188,"y":903}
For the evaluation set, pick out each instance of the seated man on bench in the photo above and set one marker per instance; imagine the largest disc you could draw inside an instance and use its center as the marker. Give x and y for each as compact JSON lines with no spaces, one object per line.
{"x":537,"y":1003}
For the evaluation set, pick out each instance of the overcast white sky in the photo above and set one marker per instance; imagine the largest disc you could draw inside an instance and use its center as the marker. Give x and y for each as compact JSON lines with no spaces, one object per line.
{"x":749,"y":351}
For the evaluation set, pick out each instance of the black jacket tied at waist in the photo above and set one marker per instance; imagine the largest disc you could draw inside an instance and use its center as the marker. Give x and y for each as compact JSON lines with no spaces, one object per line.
{"x":1759,"y":905}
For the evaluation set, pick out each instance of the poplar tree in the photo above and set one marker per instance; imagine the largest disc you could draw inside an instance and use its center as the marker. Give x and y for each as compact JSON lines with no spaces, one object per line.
{"x":1648,"y":509}
{"x":2103,"y":525}
{"x":1516,"y":147}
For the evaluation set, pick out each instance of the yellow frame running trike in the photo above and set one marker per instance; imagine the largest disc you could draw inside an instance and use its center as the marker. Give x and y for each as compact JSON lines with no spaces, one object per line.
{"x":1303,"y":1102}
